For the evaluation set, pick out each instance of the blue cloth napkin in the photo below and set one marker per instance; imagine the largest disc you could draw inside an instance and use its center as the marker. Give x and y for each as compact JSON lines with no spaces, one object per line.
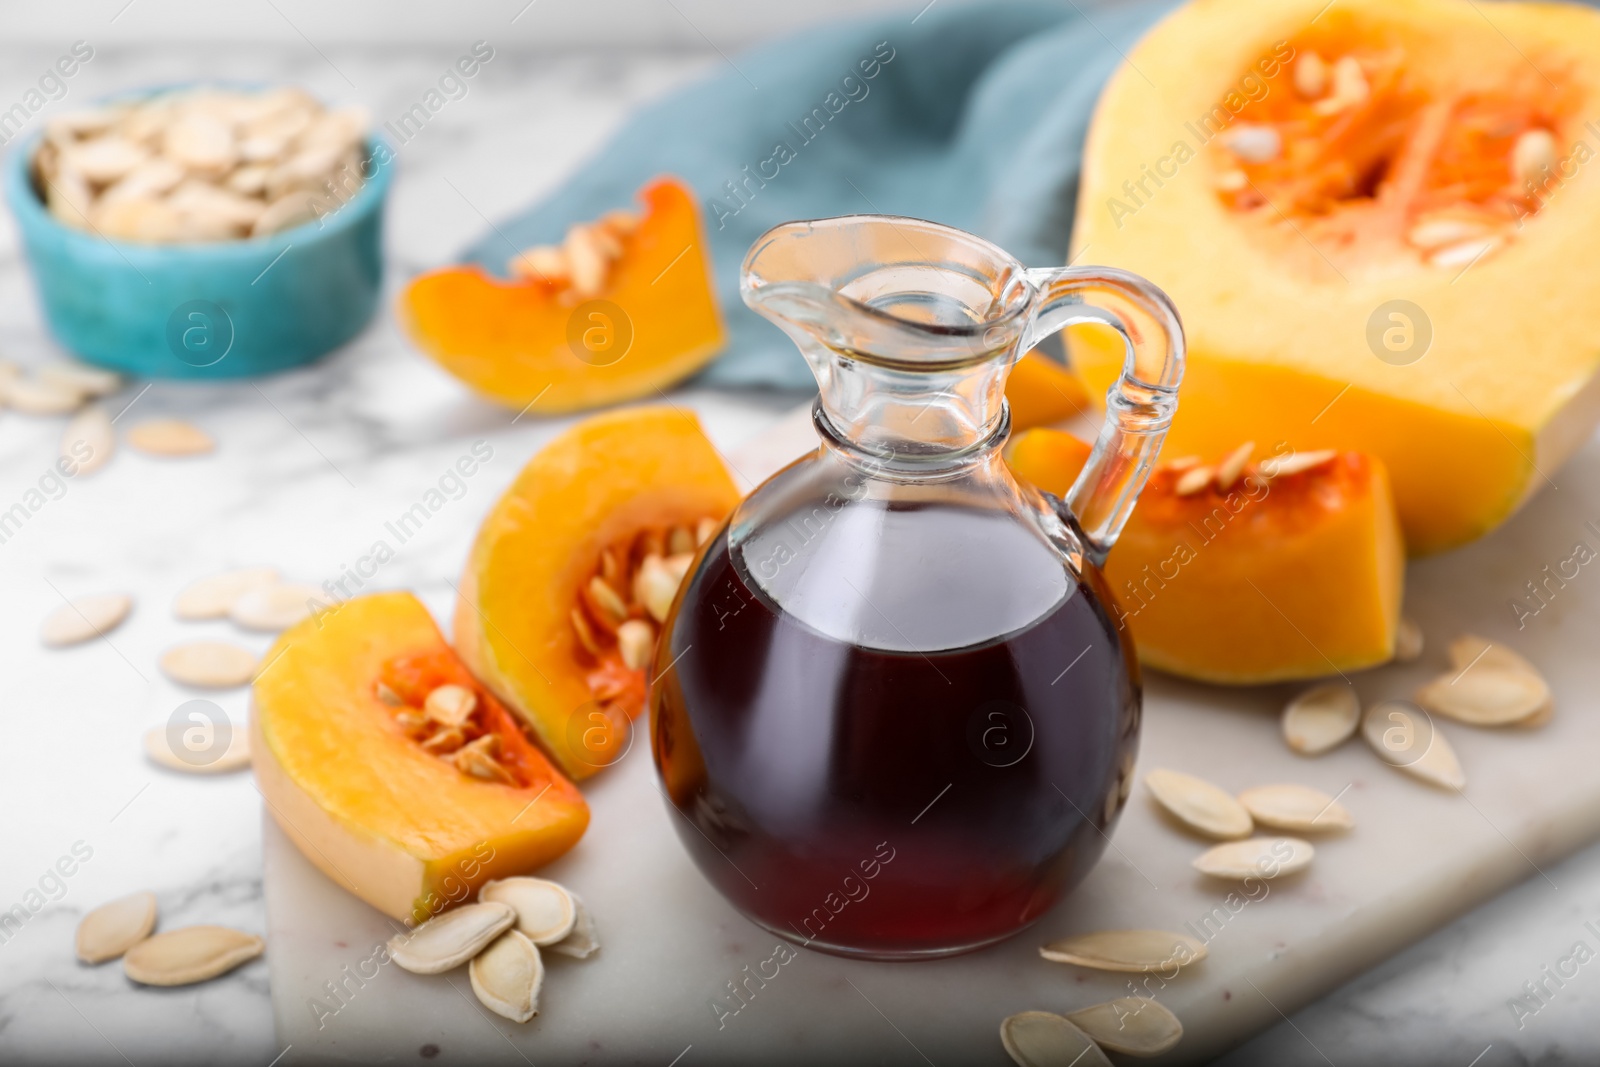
{"x":969,"y":115}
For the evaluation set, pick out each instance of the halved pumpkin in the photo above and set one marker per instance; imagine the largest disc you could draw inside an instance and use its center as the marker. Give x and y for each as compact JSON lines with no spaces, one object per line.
{"x":1285,"y":576}
{"x":405,"y":829}
{"x":540,"y":344}
{"x":560,"y":577}
{"x":1377,"y":219}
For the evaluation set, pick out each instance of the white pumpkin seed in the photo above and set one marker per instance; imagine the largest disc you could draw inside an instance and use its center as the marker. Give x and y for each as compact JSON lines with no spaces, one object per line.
{"x":1310,"y":75}
{"x":584,"y":941}
{"x":1044,"y":1039}
{"x":1130,"y":951}
{"x":1193,"y":480}
{"x":235,"y":757}
{"x":1406,"y":738}
{"x":1485,"y":696}
{"x":112,"y":929}
{"x":85,"y":618}
{"x":1470,"y":650}
{"x":1133,"y":1026}
{"x":34,"y":397}
{"x":1259,"y":857}
{"x":213,"y":597}
{"x":170,"y":437}
{"x":270,"y":608}
{"x":450,"y":705}
{"x":1533,"y":155}
{"x":507,"y":976}
{"x":546,"y":912}
{"x":89,"y":439}
{"x":449,"y":940}
{"x":1441,"y":230}
{"x":1233,"y":465}
{"x":84,"y":380}
{"x":1321,"y":719}
{"x":1296,"y":462}
{"x":209,"y":664}
{"x":191,"y":954}
{"x":1252,"y":142}
{"x":636,"y":639}
{"x":1198,"y":804}
{"x":1296,"y":807}
{"x":1462,"y":253}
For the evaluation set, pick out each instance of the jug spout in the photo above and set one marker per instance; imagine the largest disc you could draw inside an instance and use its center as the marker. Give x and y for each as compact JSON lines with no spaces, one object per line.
{"x":909,"y":327}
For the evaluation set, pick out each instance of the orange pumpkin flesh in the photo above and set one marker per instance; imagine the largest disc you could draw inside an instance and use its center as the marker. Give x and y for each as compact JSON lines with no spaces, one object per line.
{"x":402,"y":829}
{"x":1041,"y":391}
{"x":529,"y":344}
{"x":1289,"y":577}
{"x":602,"y":489}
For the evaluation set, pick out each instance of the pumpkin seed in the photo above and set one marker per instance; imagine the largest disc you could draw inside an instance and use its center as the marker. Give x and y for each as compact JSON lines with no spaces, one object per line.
{"x":1441,"y":230}
{"x":1406,"y":738}
{"x":1470,"y":650}
{"x":507,"y":977}
{"x":1133,"y":1026}
{"x":275,"y":607}
{"x":112,"y":929}
{"x":1254,"y":143}
{"x":1129,"y":951}
{"x":1349,"y":87}
{"x":606,"y":600}
{"x":84,"y":380}
{"x":236,"y":757}
{"x":1485,"y":696}
{"x":1462,"y":253}
{"x":545,"y":262}
{"x":444,"y":742}
{"x":1296,"y":462}
{"x":703,"y":530}
{"x":1533,"y":154}
{"x":450,"y":705}
{"x":170,"y":437}
{"x":546,"y":911}
{"x":587,"y":260}
{"x":1296,"y":807}
{"x":34,"y":397}
{"x":477,"y":759}
{"x":290,"y":209}
{"x":84,"y":618}
{"x":636,"y":639}
{"x":1310,"y":75}
{"x":584,"y":941}
{"x":89,"y":439}
{"x":1044,"y":1039}
{"x":585,"y":632}
{"x":209,"y":665}
{"x":1193,"y":480}
{"x":451,"y":939}
{"x":1198,"y":804}
{"x":191,"y":954}
{"x":1321,"y":719}
{"x":1230,"y":468}
{"x":213,"y":597}
{"x":1259,"y":857}
{"x":1408,"y":642}
{"x":655,"y":588}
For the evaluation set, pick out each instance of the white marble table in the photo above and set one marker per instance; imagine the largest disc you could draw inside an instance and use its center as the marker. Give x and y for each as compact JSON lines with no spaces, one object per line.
{"x":309,"y":467}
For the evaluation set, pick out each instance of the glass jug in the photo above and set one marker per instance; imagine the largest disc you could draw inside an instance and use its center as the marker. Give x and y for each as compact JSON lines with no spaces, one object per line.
{"x":893,"y":704}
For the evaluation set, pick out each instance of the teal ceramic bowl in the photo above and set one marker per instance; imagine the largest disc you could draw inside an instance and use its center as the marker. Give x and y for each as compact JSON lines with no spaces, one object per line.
{"x":223,"y":309}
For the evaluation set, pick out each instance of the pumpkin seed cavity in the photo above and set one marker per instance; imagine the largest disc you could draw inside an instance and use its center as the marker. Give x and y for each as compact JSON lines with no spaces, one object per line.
{"x":112,"y":929}
{"x":188,"y":955}
{"x":1198,"y":804}
{"x":1128,"y":951}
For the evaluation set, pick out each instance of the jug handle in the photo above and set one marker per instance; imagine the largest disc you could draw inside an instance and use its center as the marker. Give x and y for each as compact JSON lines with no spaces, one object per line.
{"x":1139,"y":407}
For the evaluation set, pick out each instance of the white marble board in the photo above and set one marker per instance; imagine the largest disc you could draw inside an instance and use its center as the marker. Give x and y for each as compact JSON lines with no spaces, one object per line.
{"x":1418,"y":857}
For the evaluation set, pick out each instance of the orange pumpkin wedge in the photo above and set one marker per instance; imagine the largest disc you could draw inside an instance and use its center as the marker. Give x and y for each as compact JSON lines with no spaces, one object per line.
{"x":1277,"y":578}
{"x":401,"y":827}
{"x":1041,"y":391}
{"x":531,"y":621}
{"x":535,"y":344}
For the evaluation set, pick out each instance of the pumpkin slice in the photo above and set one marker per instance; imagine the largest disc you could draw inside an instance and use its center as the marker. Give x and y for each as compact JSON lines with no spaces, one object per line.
{"x":1296,"y":574}
{"x":568,"y":570}
{"x":622,"y":309}
{"x":1376,"y":218}
{"x":346,"y":756}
